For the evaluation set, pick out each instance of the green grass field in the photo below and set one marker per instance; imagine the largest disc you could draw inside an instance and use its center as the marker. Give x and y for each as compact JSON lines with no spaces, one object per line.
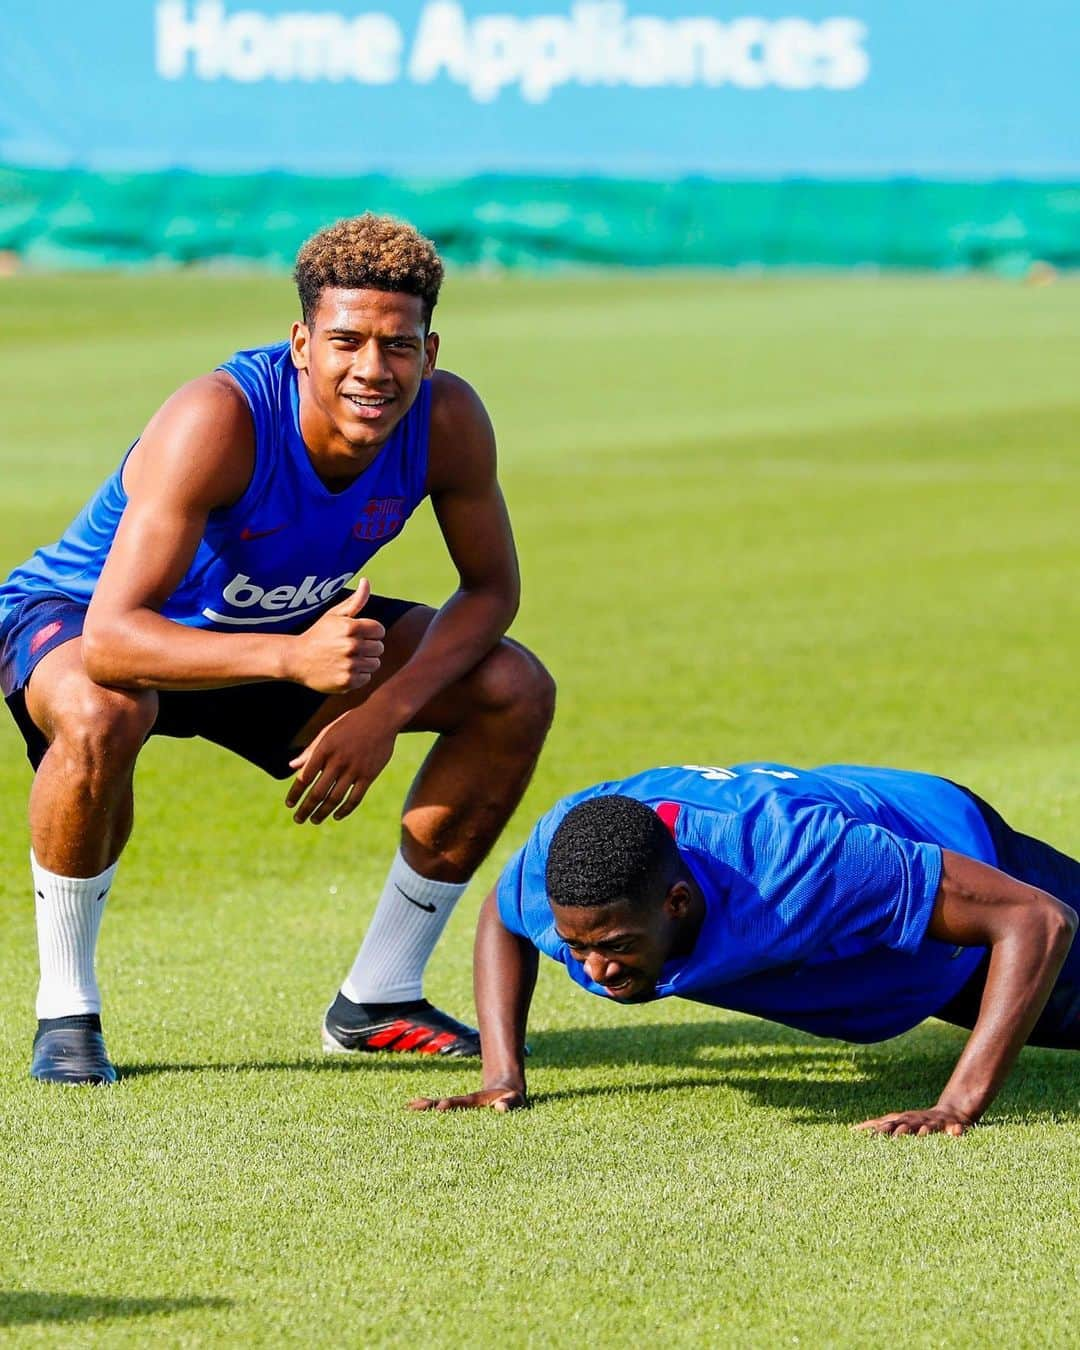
{"x":799,"y":519}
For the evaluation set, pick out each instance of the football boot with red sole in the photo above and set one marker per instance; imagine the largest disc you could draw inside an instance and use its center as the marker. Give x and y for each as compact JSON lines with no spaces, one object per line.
{"x":402,"y":1028}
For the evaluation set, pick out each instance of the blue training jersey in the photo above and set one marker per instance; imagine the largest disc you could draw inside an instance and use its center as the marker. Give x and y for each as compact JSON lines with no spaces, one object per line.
{"x":818,"y":886}
{"x":285,"y":549}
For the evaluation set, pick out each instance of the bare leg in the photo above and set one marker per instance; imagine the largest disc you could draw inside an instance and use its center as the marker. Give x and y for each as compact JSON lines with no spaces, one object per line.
{"x":491,"y":725}
{"x":80,"y":819}
{"x":81,"y":806}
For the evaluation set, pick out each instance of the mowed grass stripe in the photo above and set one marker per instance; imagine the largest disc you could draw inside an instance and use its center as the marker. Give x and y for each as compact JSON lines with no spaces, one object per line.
{"x":811,"y":519}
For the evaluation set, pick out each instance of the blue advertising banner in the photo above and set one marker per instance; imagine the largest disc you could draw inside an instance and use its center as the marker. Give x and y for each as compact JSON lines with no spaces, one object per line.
{"x":654,"y":88}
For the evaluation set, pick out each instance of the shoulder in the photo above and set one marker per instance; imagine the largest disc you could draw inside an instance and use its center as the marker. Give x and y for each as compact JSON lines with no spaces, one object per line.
{"x":455,"y":404}
{"x":461,"y":449}
{"x":212,"y":403}
{"x":201,"y":438}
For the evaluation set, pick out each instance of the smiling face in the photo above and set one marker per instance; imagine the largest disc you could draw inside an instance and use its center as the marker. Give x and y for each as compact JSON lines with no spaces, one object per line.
{"x":623,"y":946}
{"x":360,"y":365}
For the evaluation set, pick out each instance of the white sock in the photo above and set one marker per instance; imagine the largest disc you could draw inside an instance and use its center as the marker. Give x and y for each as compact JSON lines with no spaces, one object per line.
{"x":409,"y":919}
{"x":69,"y":911}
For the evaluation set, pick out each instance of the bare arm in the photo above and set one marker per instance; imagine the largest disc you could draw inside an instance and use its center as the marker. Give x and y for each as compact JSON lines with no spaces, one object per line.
{"x":473,"y":519}
{"x":504,"y":976}
{"x":1029,"y":934}
{"x":197,"y":454}
{"x":334,"y":772}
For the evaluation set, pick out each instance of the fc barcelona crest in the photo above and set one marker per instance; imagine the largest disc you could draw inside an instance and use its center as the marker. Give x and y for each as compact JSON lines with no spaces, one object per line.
{"x":382,"y":517}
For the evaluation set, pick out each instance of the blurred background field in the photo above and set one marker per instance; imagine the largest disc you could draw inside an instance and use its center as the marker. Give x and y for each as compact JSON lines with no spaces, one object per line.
{"x":544,"y":132}
{"x":776,"y":317}
{"x":800,"y":519}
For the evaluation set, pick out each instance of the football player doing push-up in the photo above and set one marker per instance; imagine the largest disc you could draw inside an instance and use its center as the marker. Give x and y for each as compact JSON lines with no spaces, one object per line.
{"x":845,"y":901}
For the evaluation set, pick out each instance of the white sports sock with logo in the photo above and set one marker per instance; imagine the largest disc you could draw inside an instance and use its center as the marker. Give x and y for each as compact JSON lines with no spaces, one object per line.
{"x":409,"y":920}
{"x":69,"y":911}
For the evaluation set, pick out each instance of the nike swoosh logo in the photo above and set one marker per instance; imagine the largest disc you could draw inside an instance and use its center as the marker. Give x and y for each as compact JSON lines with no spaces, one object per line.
{"x":418,"y":903}
{"x":246,"y":534}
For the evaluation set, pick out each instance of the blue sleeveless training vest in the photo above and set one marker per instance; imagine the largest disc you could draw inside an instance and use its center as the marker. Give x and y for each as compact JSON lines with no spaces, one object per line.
{"x":285,"y":548}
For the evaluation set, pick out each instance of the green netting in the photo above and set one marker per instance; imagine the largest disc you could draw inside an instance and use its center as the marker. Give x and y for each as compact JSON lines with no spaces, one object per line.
{"x":79,"y":219}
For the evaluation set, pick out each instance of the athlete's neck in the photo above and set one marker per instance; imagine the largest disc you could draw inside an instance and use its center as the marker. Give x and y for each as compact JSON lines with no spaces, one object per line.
{"x":337,"y":461}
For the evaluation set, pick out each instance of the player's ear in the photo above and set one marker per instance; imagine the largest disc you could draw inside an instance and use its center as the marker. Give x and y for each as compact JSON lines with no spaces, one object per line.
{"x":677,"y":900}
{"x":299,"y":341}
{"x":431,"y":351}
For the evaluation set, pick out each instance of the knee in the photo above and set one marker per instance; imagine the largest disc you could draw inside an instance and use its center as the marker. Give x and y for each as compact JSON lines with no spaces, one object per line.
{"x":512,"y":684}
{"x":99,"y":729}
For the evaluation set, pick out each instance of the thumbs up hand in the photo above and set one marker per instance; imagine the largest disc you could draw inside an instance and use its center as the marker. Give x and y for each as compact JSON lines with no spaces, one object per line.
{"x":341,"y":650}
{"x":354,"y":601}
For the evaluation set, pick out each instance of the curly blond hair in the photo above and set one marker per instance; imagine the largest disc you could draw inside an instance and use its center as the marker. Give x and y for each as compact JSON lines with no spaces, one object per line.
{"x":368,"y":252}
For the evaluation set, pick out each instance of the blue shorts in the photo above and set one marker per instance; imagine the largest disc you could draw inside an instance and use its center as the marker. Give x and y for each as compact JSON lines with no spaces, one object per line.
{"x":260,"y":722}
{"x":1040,"y":865}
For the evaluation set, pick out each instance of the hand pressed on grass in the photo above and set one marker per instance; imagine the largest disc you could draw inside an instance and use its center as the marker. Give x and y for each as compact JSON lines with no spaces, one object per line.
{"x":932,"y":1120}
{"x":498,"y":1099}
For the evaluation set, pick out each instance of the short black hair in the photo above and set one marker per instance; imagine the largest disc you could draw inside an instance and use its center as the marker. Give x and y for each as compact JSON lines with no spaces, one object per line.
{"x":368,"y":252}
{"x":608,"y":849}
